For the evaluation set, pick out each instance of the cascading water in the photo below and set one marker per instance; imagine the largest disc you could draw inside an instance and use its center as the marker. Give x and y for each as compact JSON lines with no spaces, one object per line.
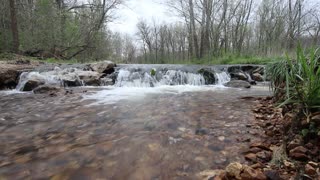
{"x":135,"y":83}
{"x":248,"y":76}
{"x":222,"y":78}
{"x":58,"y":77}
{"x":127,"y":78}
{"x":45,"y":78}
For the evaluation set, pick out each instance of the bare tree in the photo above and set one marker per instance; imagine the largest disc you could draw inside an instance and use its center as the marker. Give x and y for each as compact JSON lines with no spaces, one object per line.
{"x":14,"y":27}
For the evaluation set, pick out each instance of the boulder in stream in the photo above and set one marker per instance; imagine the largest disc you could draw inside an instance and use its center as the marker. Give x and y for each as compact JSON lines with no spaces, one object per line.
{"x":208,"y":75}
{"x":32,"y":84}
{"x":106,"y":67}
{"x":90,"y":78}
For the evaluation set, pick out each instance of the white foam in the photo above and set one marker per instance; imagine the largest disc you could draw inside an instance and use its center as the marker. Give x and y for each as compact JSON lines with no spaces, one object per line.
{"x":112,"y":95}
{"x":9,"y":92}
{"x":127,"y":78}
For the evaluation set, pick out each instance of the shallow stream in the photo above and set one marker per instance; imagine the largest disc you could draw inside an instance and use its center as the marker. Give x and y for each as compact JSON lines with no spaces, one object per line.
{"x":164,"y":132}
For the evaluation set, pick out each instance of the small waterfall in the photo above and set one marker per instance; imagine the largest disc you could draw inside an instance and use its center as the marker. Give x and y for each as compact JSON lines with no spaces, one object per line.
{"x":134,"y":79}
{"x":46,"y":78}
{"x":222,"y":78}
{"x":145,"y":79}
{"x":57,"y":77}
{"x":125,"y":77}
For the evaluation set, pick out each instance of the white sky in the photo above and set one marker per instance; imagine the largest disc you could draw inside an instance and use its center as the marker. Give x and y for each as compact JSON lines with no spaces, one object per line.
{"x":134,"y":10}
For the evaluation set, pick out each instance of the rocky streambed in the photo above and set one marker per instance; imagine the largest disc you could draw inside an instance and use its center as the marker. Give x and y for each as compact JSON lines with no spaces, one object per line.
{"x":170,"y":125}
{"x":164,"y":136}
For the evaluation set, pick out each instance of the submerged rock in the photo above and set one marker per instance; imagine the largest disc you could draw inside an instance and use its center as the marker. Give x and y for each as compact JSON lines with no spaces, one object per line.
{"x":201,"y":131}
{"x":238,"y":84}
{"x":46,"y":89}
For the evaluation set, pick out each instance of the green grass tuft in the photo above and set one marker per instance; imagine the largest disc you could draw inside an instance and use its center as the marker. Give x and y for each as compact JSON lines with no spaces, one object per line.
{"x":297,"y":81}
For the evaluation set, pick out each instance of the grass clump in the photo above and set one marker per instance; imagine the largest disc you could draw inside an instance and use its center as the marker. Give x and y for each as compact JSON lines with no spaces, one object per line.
{"x":297,"y":81}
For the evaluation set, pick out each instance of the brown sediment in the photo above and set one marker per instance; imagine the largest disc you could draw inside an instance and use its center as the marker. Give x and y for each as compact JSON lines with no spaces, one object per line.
{"x":164,"y":136}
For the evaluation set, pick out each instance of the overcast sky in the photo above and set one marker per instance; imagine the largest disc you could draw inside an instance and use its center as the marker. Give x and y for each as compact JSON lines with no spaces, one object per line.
{"x":129,"y":15}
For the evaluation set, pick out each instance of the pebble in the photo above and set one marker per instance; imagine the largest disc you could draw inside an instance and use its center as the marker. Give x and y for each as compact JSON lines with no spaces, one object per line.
{"x":221,"y":138}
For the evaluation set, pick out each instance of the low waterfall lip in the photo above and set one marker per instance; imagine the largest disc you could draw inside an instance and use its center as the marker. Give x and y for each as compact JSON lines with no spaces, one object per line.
{"x":133,"y":78}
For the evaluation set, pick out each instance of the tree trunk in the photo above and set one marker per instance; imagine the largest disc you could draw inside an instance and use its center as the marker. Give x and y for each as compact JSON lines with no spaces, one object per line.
{"x":291,"y":30}
{"x":193,"y":28}
{"x":14,"y":27}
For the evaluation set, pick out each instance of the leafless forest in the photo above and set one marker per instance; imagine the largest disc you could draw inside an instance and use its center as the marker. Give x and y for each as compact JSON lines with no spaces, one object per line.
{"x":71,"y":29}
